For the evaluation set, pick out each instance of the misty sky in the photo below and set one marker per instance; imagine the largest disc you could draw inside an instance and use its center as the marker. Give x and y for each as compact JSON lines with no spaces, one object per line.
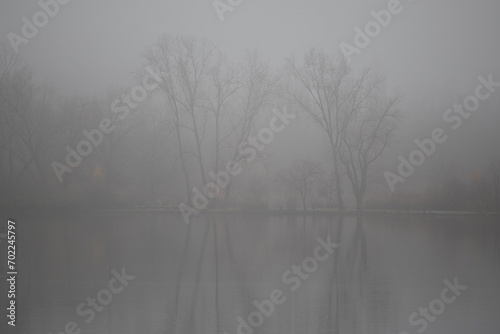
{"x":431,"y":53}
{"x":431,"y":46}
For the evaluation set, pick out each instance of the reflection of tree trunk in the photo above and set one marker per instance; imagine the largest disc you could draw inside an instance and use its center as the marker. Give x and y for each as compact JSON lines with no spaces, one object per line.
{"x":175,"y":315}
{"x":334,"y":300}
{"x":354,"y":273}
{"x":306,"y":252}
{"x":294,"y":301}
{"x":216,"y":262}
{"x":67,"y":252}
{"x":191,"y":321}
{"x":362,"y":266}
{"x":108,"y":242}
{"x":240,"y":277}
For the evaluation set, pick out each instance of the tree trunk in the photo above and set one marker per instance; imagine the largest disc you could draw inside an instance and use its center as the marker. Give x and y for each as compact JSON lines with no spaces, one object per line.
{"x":360,"y":205}
{"x":183,"y":165}
{"x":338,"y":189}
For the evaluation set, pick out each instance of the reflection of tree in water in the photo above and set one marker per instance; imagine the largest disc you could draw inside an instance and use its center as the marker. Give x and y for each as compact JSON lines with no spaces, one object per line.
{"x":199,"y":267}
{"x":237,"y":269}
{"x":172,"y":323}
{"x":344,"y":305}
{"x":215,"y":255}
{"x":354,"y":276}
{"x":329,"y":307}
{"x":359,"y":303}
{"x":215,"y":242}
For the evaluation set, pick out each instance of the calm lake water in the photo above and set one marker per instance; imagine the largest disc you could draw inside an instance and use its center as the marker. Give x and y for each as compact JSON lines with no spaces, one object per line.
{"x":387,"y":275}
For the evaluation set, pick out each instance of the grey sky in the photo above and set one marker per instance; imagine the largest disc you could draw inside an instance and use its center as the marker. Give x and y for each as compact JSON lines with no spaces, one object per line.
{"x":431,"y":53}
{"x":432,"y":46}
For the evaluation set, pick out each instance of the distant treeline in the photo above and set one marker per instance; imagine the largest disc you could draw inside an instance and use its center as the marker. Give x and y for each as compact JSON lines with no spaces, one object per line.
{"x":166,"y":140}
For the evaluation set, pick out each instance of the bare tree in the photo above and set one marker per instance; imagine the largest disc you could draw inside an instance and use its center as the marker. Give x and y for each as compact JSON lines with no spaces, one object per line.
{"x":257,"y":92}
{"x":326,"y":189}
{"x":369,"y":130}
{"x":322,"y":90}
{"x":213,"y":104}
{"x":158,"y":130}
{"x":183,"y":64}
{"x":226,"y":82}
{"x":300,"y":178}
{"x":28,"y":123}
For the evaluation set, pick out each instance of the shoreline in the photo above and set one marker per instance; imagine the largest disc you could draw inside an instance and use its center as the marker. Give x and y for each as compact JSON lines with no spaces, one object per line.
{"x":312,"y":212}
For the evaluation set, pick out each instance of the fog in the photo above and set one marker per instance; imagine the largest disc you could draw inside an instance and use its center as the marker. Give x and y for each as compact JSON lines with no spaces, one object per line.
{"x":429,"y":55}
{"x":203,"y":110}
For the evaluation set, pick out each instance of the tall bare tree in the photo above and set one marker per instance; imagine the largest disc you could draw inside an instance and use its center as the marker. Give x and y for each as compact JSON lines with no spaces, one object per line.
{"x":225,"y":81}
{"x":258,"y":92}
{"x":371,"y":123}
{"x":28,"y":123}
{"x":183,"y":65}
{"x":321,"y":87}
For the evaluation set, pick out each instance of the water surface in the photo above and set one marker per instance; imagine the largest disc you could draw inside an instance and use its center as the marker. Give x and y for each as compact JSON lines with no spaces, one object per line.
{"x":199,"y":278}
